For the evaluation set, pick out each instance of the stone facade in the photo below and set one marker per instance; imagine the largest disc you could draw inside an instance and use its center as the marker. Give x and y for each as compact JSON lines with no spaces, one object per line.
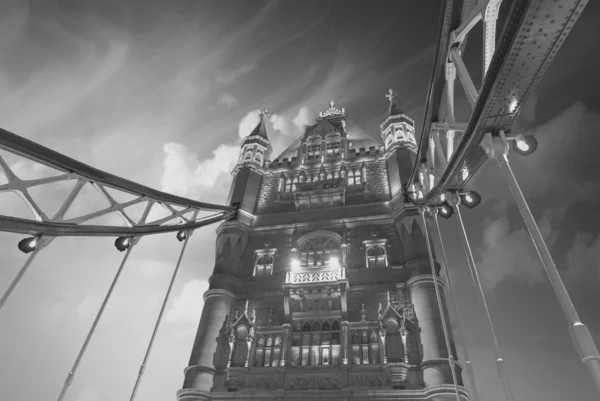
{"x":322,"y":286}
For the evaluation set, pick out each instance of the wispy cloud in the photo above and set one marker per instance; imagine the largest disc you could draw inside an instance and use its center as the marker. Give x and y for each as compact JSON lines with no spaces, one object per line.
{"x":230,"y":76}
{"x":228,"y":100}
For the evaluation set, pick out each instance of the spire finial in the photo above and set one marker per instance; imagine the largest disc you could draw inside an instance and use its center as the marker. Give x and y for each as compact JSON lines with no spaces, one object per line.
{"x":391,"y":95}
{"x":246,"y":308}
{"x":263,"y":113}
{"x":331,"y":103}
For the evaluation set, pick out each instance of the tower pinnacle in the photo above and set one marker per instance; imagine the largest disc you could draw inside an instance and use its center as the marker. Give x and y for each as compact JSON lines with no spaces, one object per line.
{"x":394,"y":109}
{"x":260,"y":129}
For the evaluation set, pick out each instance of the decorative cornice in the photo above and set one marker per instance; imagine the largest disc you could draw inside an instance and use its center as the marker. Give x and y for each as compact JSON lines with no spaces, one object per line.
{"x":200,"y":369}
{"x":423,"y":279}
{"x":218,"y":292}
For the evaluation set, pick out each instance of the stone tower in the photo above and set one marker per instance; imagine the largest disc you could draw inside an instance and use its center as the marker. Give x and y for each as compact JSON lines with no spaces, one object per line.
{"x":322,"y":287}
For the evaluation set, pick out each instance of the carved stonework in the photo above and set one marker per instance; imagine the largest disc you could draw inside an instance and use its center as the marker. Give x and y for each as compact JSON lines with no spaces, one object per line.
{"x":268,"y":382}
{"x":321,"y":382}
{"x":366,"y":381}
{"x":235,"y":378}
{"x":395,"y":375}
{"x":317,"y":276}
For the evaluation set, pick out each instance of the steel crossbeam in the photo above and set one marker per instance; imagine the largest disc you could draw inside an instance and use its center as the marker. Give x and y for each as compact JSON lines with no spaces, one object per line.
{"x":180,"y":210}
{"x":512,"y":66}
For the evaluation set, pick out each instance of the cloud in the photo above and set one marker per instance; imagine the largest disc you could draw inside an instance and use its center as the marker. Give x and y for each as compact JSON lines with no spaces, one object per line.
{"x":227,"y":99}
{"x":187,"y":306}
{"x":546,"y":173}
{"x":506,"y":252}
{"x":185,"y":175}
{"x":232,"y":75}
{"x":295,"y":126}
{"x":582,"y":260}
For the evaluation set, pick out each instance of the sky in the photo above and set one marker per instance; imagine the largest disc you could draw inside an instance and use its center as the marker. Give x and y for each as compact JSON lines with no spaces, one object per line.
{"x":161,"y":93}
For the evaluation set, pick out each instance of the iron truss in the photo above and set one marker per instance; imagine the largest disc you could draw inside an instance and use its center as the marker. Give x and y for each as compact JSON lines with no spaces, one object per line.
{"x":449,"y":152}
{"x":181,"y":213}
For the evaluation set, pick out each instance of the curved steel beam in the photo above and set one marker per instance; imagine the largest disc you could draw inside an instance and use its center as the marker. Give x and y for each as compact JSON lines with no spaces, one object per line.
{"x":448,"y":21}
{"x":41,"y":154}
{"x":30,"y":227}
{"x":506,"y":79}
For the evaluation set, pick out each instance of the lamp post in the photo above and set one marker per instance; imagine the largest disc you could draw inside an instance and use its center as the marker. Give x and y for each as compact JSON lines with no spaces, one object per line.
{"x":497,"y":148}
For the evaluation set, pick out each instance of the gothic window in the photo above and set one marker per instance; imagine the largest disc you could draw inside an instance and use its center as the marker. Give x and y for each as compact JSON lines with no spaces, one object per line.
{"x":364,"y":347}
{"x":268,"y":350}
{"x":288,"y":184}
{"x":333,"y":149}
{"x":248,"y":156}
{"x":376,"y":256}
{"x":314,"y":150}
{"x":319,"y":251}
{"x":389,"y":140}
{"x":316,"y":344}
{"x":294,"y":183}
{"x":354,"y":177}
{"x":264,"y":265}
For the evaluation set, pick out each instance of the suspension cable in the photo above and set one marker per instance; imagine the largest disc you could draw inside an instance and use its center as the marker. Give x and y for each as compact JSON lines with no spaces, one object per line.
{"x":441,"y":307}
{"x":461,"y":339}
{"x":93,"y":328}
{"x":158,"y":321}
{"x":16,"y":280}
{"x":499,"y":361}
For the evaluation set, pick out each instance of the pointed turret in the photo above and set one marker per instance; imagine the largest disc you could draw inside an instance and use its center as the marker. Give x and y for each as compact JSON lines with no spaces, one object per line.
{"x":255,"y":154}
{"x":256,"y":147}
{"x":398,"y":133}
{"x":397,"y":128}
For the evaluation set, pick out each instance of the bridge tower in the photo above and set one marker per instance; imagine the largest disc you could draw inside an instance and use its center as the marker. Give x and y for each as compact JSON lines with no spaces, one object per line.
{"x":322,"y":286}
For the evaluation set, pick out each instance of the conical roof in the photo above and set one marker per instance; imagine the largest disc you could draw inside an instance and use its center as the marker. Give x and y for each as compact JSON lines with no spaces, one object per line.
{"x":260,"y":129}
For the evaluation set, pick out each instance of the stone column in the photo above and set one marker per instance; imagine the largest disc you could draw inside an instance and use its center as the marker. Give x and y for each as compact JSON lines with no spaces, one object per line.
{"x":201,"y":369}
{"x":344,"y":342}
{"x":383,"y":353}
{"x":436,"y":370}
{"x":285,"y":344}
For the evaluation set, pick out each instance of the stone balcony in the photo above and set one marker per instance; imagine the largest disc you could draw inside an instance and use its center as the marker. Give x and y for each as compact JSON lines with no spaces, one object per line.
{"x":315,"y":276}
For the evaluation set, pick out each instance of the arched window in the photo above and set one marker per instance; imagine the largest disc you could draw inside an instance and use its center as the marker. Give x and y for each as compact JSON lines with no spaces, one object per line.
{"x":288,"y":184}
{"x":248,"y":156}
{"x":316,"y":344}
{"x":294,"y":183}
{"x":376,"y":256}
{"x":333,"y":149}
{"x":264,"y":265}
